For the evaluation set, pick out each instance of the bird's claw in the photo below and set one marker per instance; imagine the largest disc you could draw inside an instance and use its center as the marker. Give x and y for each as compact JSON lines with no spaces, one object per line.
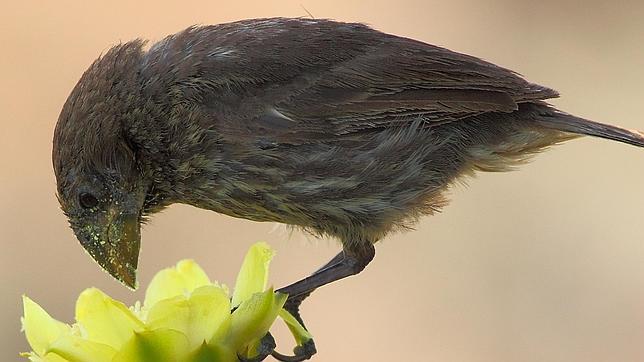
{"x":300,"y":353}
{"x":266,"y":348}
{"x":267,"y":344}
{"x":307,"y":349}
{"x":292,"y":306}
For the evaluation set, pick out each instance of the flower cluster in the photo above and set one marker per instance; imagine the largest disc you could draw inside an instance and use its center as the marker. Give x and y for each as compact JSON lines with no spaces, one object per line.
{"x":184,"y":317}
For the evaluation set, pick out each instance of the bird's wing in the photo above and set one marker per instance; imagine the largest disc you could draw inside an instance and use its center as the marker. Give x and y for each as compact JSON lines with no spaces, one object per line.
{"x":297,"y":79}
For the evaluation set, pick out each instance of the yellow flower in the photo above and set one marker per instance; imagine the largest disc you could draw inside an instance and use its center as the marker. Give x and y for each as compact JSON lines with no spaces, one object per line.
{"x":184,"y":317}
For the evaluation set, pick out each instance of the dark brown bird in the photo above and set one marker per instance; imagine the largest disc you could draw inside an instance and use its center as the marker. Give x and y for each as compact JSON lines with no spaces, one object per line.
{"x":332,"y":127}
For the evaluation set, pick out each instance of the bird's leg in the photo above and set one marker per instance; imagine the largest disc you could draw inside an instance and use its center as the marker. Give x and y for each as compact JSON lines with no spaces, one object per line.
{"x":331,"y":262}
{"x":267,"y":344}
{"x":293,"y":303}
{"x":351,"y":261}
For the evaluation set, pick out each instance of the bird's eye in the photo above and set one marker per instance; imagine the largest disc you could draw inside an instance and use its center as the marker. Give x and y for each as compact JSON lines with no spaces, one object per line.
{"x":87,"y":200}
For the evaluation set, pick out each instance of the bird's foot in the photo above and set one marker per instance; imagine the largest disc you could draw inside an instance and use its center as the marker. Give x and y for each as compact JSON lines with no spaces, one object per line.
{"x":300,"y":353}
{"x":349,"y":262}
{"x":306,"y":350}
{"x":292,"y":305}
{"x":266,"y":348}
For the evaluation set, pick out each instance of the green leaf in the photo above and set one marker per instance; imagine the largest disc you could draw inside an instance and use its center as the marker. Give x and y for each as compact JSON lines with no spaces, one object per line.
{"x":253,"y":275}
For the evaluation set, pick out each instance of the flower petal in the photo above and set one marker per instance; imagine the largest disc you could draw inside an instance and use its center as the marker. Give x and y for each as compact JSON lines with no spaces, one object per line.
{"x":179,"y":280}
{"x":198,"y":317}
{"x":298,"y":331}
{"x":209,"y":353}
{"x":222,"y":330}
{"x":105,"y":320}
{"x":49,"y":357}
{"x":76,"y":349}
{"x":152,"y":346}
{"x":253,"y":318}
{"x":40,"y":328}
{"x":253,"y":275}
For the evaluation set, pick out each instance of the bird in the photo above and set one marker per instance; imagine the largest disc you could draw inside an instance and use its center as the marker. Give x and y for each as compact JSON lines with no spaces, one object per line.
{"x":332,"y":127}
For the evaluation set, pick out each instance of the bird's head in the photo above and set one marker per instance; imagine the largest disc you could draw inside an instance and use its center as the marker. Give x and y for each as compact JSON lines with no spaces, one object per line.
{"x":100,"y":183}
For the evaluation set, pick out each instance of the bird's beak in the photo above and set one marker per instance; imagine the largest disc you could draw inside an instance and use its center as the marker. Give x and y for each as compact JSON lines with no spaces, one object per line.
{"x":116,"y":247}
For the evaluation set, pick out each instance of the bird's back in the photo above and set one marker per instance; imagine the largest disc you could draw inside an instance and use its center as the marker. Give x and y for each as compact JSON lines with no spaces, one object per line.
{"x":297,"y":79}
{"x":332,"y":126}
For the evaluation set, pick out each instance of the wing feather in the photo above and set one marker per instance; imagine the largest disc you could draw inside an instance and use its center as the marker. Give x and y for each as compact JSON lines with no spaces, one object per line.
{"x":298,"y":78}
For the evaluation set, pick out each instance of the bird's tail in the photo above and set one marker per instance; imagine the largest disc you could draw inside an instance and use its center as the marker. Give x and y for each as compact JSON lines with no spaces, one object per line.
{"x":568,"y":123}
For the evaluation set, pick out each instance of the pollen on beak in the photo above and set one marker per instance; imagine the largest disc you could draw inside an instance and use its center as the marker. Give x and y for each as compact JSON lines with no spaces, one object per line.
{"x":116,"y":246}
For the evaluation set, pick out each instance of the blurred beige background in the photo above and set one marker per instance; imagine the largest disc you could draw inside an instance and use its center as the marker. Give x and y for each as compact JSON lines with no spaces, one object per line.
{"x":544,"y":264}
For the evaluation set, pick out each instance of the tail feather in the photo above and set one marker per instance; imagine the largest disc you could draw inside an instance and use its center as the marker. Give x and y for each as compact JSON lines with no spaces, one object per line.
{"x":568,"y":123}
